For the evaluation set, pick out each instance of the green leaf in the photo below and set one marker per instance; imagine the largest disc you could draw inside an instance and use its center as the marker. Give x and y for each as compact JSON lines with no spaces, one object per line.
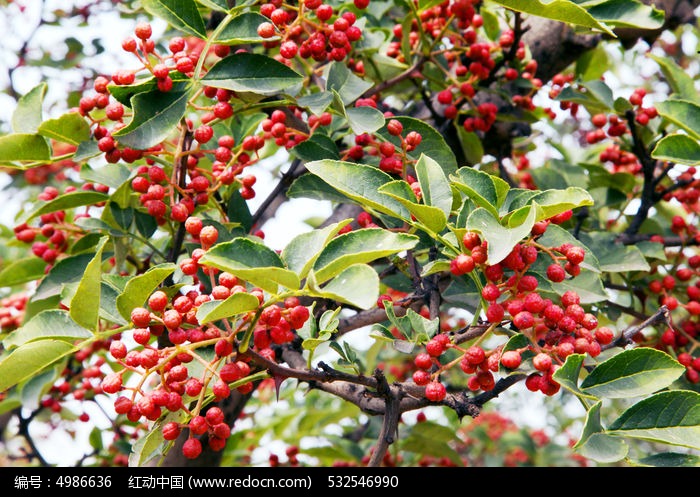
{"x":596,"y":444}
{"x":612,"y":256}
{"x":49,"y":324}
{"x":569,"y":373}
{"x":64,"y":272}
{"x":67,"y":201}
{"x":85,"y":304}
{"x":124,"y":93}
{"x":108,"y":304}
{"x":253,"y":262}
{"x":301,"y":252}
{"x":156,"y":115}
{"x":349,"y":86}
{"x":682,"y":113}
{"x":432,"y":439}
{"x":69,"y":128}
{"x":248,"y":72}
{"x":588,"y":285}
{"x":152,"y":445}
{"x":432,"y":142}
{"x":431,"y":217}
{"x":317,"y":147}
{"x":671,"y":417}
{"x":359,"y":246}
{"x":671,"y":460}
{"x":243,"y":29}
{"x":589,"y":99}
{"x":360,"y":183}
{"x":364,"y":119}
{"x":317,"y":102}
{"x":181,"y":14}
{"x":237,"y":303}
{"x":632,"y":373}
{"x":313,"y":187}
{"x":86,"y":150}
{"x":678,"y":148}
{"x":357,"y":285}
{"x":31,"y":358}
{"x":220,"y":5}
{"x":556,"y":236}
{"x":501,"y":240}
{"x":678,"y":78}
{"x":23,"y":147}
{"x":557,"y":10}
{"x":434,"y":186}
{"x":22,"y":271}
{"x":27,"y":116}
{"x":485,"y":190}
{"x":592,"y":64}
{"x":34,"y":390}
{"x":628,"y":13}
{"x":553,"y":202}
{"x":471,"y":145}
{"x":139,"y":288}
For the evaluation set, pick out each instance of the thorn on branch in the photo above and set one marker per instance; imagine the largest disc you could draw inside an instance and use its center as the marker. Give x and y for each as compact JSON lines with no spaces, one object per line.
{"x":662,"y":315}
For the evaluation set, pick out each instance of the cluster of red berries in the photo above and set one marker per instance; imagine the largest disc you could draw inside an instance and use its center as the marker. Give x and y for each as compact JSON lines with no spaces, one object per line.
{"x":12,"y":310}
{"x":391,"y":159}
{"x":174,"y":317}
{"x":469,"y":62}
{"x":680,"y":338}
{"x":318,"y":37}
{"x":555,"y":330}
{"x":687,"y":192}
{"x":80,"y":380}
{"x":50,"y":237}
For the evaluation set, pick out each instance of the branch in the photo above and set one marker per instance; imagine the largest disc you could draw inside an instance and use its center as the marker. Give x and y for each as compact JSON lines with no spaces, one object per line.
{"x":648,"y":169}
{"x":390,"y":422}
{"x":408,"y":73}
{"x":278,"y":196}
{"x":662,"y":315}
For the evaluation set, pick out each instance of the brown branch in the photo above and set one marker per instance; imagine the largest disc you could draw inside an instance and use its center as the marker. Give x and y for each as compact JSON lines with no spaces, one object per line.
{"x":277,"y":197}
{"x":661,"y":315}
{"x":648,"y":198}
{"x":390,"y":421}
{"x":408,"y":73}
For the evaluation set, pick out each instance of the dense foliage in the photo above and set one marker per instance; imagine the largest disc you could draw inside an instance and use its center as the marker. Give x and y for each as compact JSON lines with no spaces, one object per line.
{"x":513,"y":201}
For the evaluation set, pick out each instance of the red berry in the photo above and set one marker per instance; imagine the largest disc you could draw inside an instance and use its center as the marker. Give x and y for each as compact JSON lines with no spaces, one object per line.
{"x":203,"y":133}
{"x":495,"y":313}
{"x":208,"y":236}
{"x":599,"y":120}
{"x":511,"y":359}
{"x":435,"y":391}
{"x":192,"y":448}
{"x":171,"y":430}
{"x":141,"y":317}
{"x":198,"y":425}
{"x":533,"y":382}
{"x":475,"y":355}
{"x":143,"y":30}
{"x":266,"y":30}
{"x":542,"y":362}
{"x":434,"y":347}
{"x":394,"y":127}
{"x":461,"y":264}
{"x":421,"y":377}
{"x":524,"y":320}
{"x":158,"y":300}
{"x":423,"y":361}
